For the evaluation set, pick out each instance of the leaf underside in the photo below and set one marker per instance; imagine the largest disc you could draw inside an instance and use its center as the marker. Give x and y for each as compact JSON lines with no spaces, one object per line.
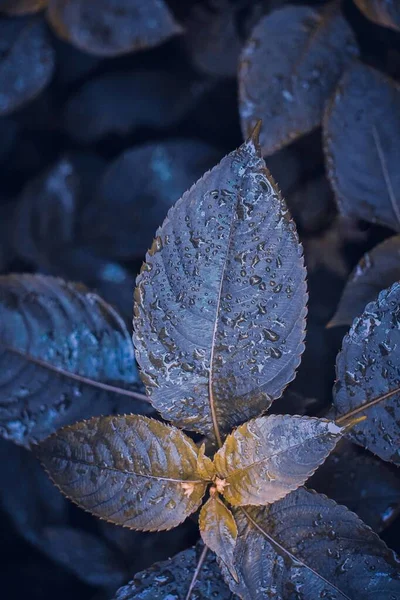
{"x":307,"y":547}
{"x":361,"y":133}
{"x":112,"y":27}
{"x":368,"y":367}
{"x":218,"y":530}
{"x":130,"y":470}
{"x":265,"y":459}
{"x":220,"y":305}
{"x":70,"y":329}
{"x":289,"y":68}
{"x":377,"y":270}
{"x":382,"y":12}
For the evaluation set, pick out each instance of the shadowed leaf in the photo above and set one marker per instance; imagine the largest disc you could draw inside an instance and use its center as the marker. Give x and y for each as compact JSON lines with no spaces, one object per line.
{"x":307,"y":546}
{"x":362,"y":482}
{"x":289,"y":68}
{"x":171,"y":579}
{"x":21,"y":7}
{"x":220,"y":303}
{"x":382,"y":12}
{"x":26,"y":62}
{"x":361,"y":138}
{"x":51,"y":334}
{"x":130,"y":470}
{"x":265,"y":459}
{"x":367,"y":368}
{"x":218,"y":530}
{"x":377,"y":270}
{"x":112,"y":27}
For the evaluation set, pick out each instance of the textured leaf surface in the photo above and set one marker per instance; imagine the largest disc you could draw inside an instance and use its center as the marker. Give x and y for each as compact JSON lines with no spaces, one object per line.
{"x":126,"y":469}
{"x":377,"y":270}
{"x":21,"y":7}
{"x":171,"y":579}
{"x":354,"y":477}
{"x":307,"y":547}
{"x":26,"y":63}
{"x":220,"y":303}
{"x":288,"y":69}
{"x":218,"y":530}
{"x":368,"y":367}
{"x":265,"y":459}
{"x":112,"y":27}
{"x":205,"y":466}
{"x":73,"y":331}
{"x":361,"y":133}
{"x":382,"y":12}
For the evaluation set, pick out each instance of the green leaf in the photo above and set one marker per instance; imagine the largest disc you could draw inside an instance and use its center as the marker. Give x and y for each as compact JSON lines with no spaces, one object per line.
{"x":265,"y":459}
{"x":221,"y":300}
{"x":62,"y":352}
{"x":205,"y":466}
{"x":308,"y":547}
{"x":218,"y":531}
{"x":130,"y":470}
{"x":367,"y":376}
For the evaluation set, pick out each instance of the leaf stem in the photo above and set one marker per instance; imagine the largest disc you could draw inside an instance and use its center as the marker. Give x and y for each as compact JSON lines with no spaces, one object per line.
{"x":366,"y":406}
{"x":196,"y":574}
{"x":76,"y":377}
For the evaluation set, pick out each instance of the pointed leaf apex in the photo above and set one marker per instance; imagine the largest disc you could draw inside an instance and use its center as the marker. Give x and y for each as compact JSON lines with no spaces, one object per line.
{"x":254,"y":137}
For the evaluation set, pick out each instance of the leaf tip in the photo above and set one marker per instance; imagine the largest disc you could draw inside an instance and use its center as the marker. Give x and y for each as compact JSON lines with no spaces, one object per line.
{"x":254,"y":137}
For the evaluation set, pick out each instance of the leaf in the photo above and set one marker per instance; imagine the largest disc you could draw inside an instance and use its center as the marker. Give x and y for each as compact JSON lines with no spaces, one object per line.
{"x":61,"y":349}
{"x":21,"y":7}
{"x":26,"y":63}
{"x":205,"y":466}
{"x":382,"y":12}
{"x":218,"y":530}
{"x":311,"y":205}
{"x":377,"y":270}
{"x":366,"y":485}
{"x":288,"y":69}
{"x":103,"y":105}
{"x":307,"y":546}
{"x":171,"y":578}
{"x":130,"y":470}
{"x":112,"y":27}
{"x":361,"y":133}
{"x":220,"y":304}
{"x":367,"y":376}
{"x":265,"y":459}
{"x":136,"y":191}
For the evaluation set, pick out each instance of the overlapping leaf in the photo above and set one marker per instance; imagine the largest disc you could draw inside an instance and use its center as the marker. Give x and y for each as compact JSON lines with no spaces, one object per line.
{"x":220,"y":303}
{"x":377,"y":270}
{"x":26,"y":61}
{"x":382,"y":12}
{"x":21,"y":7}
{"x":265,"y":459}
{"x":53,"y":334}
{"x":288,"y":69}
{"x":368,"y":375}
{"x":130,"y":470}
{"x":172,"y":578}
{"x":307,"y":546}
{"x":361,"y":132}
{"x":218,"y":531}
{"x":112,"y":27}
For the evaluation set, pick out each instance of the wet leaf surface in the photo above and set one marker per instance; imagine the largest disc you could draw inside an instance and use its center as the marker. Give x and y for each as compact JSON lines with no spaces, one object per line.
{"x":26,"y":62}
{"x":218,"y":530}
{"x":73,"y":331}
{"x":361,"y":132}
{"x":377,"y":270}
{"x":112,"y":27}
{"x":367,"y":368}
{"x":307,"y":546}
{"x":171,"y":578}
{"x":220,"y":304}
{"x":382,"y":12}
{"x":265,"y":459}
{"x":21,"y":7}
{"x":366,"y":485}
{"x":129,"y":470}
{"x":288,"y":69}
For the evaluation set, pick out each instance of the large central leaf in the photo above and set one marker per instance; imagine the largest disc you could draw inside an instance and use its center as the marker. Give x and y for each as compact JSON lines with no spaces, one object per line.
{"x":221,"y":301}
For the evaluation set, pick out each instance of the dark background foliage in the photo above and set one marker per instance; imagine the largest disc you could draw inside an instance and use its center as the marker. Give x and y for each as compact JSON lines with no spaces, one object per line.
{"x":94,"y":148}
